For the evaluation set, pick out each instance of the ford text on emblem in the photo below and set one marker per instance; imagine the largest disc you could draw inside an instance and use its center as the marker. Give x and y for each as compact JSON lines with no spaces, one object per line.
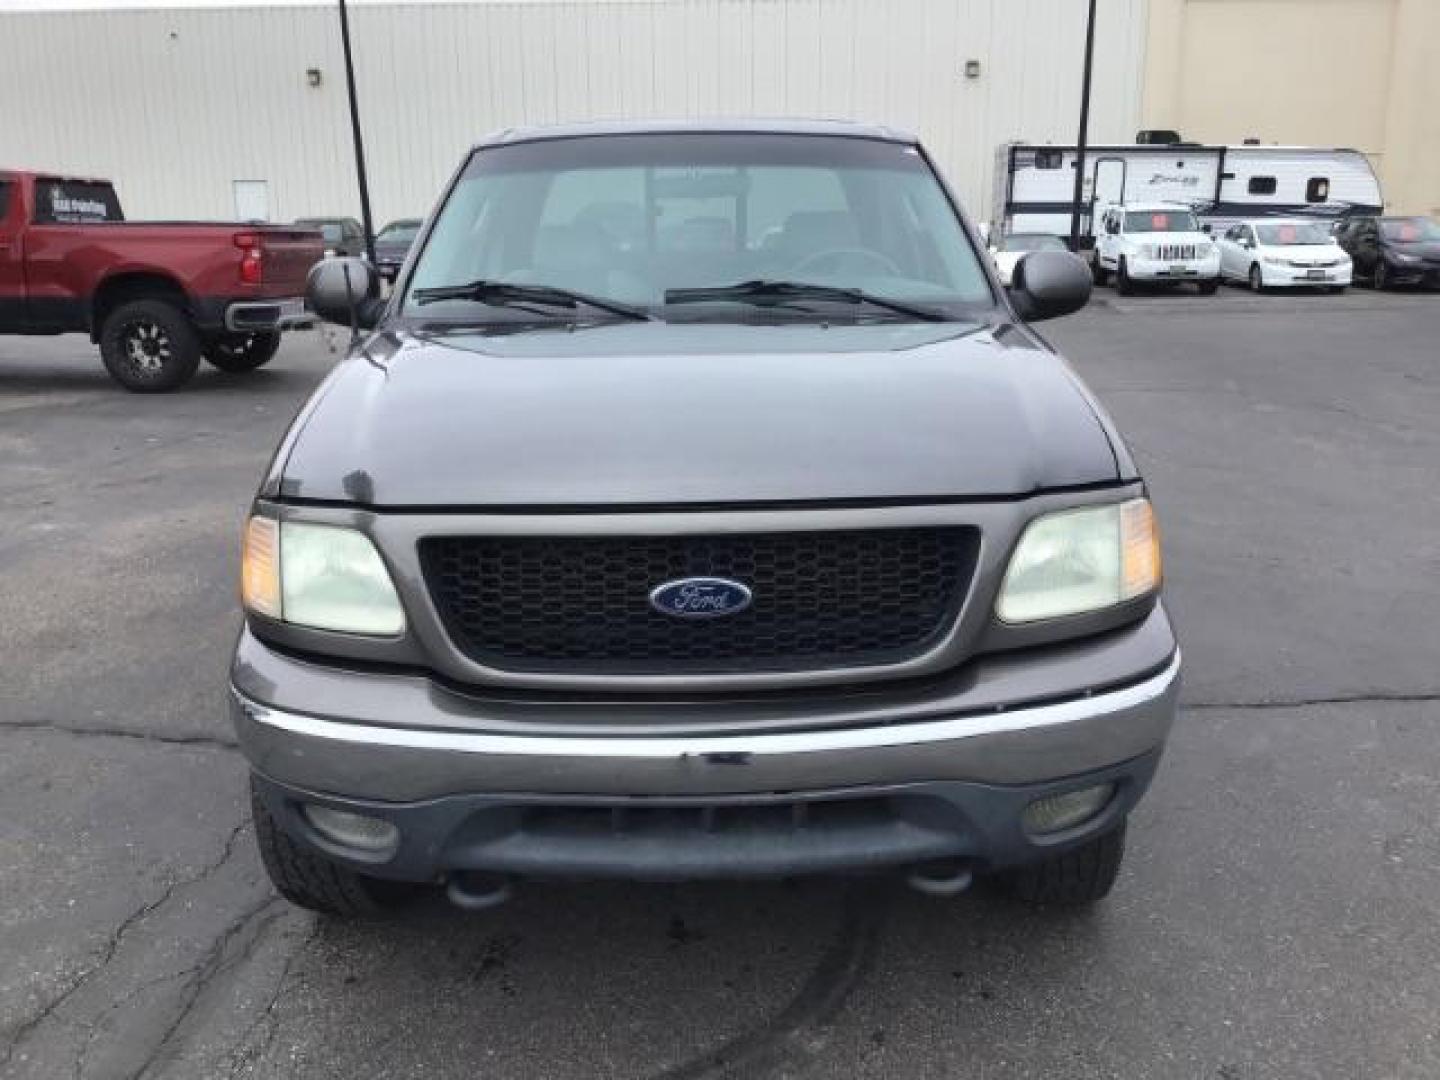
{"x":700,"y":598}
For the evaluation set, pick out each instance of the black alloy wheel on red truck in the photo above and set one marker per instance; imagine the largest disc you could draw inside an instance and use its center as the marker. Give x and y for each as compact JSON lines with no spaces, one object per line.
{"x":149,"y":346}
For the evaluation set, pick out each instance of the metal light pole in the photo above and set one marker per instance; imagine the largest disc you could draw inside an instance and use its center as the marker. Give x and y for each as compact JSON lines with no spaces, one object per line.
{"x":1081,"y":142}
{"x":365,"y":219}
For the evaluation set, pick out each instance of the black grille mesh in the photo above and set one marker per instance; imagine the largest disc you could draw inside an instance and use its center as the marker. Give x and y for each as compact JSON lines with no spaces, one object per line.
{"x":581,"y":604}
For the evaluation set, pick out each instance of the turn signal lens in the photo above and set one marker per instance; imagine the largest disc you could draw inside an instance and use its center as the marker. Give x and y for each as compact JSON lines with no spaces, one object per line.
{"x":1139,"y":549}
{"x":260,"y":567}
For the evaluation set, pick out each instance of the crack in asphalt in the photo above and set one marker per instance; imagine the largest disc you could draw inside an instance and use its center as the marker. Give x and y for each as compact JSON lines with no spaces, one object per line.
{"x":254,"y":921}
{"x":798,"y":1031}
{"x":1369,"y":697}
{"x":238,"y":1057}
{"x":112,"y":944}
{"x":213,"y":742}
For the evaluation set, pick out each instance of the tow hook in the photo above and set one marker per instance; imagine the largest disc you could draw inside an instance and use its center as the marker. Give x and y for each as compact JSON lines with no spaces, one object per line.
{"x":475,"y":890}
{"x":940,"y":879}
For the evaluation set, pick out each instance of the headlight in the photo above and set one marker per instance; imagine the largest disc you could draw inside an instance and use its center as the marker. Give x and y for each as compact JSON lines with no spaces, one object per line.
{"x":1403,"y":259}
{"x":1081,"y":560}
{"x":1149,"y":251}
{"x":322,"y":576}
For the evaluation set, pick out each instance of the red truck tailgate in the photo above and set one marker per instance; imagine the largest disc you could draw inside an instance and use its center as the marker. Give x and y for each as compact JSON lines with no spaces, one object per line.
{"x":288,"y":256}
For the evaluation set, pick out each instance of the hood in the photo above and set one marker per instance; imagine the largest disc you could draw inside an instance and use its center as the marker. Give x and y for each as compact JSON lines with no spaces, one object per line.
{"x":1172,"y":238}
{"x":1429,"y":250}
{"x":1306,"y":252}
{"x":655,"y":413}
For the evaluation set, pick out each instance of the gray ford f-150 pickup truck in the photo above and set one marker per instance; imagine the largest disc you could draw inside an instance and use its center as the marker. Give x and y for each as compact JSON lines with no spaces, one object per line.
{"x":699,"y":505}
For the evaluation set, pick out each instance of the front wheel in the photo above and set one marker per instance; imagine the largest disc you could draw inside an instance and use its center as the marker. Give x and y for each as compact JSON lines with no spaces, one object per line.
{"x":1073,"y":878}
{"x":238,"y":353}
{"x":1101,"y":274}
{"x":1123,"y":283}
{"x":1382,"y":275}
{"x":1257,"y":278}
{"x":149,"y":346}
{"x":309,"y":880}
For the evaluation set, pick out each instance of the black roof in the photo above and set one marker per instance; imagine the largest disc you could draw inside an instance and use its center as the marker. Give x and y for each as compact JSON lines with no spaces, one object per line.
{"x":736,"y":125}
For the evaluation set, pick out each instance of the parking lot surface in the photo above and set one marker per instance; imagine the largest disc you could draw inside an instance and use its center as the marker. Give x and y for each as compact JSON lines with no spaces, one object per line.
{"x":1278,"y":915}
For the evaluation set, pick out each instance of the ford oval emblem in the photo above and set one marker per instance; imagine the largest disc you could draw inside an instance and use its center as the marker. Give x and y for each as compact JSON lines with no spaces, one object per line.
{"x":700,"y":598}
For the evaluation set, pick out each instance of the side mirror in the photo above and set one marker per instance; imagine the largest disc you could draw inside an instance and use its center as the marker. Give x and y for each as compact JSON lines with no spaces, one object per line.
{"x":345,"y":291}
{"x":1206,"y":229}
{"x":1048,"y":284}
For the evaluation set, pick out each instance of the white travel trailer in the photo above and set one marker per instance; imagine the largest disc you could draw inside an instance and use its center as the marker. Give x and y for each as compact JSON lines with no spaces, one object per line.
{"x":1035,"y":185}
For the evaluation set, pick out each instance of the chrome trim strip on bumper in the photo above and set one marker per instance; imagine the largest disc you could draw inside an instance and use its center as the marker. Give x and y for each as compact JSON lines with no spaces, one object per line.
{"x":264,"y":315}
{"x":742,"y":745}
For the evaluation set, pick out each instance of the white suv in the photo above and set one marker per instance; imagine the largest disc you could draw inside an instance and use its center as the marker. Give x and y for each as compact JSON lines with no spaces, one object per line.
{"x":1155,"y":242}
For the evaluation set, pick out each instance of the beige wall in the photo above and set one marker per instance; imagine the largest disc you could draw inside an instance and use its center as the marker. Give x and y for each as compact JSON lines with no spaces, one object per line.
{"x":1361,"y":73}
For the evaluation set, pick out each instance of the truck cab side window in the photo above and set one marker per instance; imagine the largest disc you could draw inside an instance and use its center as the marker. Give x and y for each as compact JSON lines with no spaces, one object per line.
{"x":5,"y":186}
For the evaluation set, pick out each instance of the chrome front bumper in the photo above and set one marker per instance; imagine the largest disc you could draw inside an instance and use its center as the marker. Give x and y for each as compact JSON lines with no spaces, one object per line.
{"x":425,"y":753}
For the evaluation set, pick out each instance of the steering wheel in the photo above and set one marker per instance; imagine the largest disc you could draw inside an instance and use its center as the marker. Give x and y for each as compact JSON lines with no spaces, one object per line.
{"x":817,"y":261}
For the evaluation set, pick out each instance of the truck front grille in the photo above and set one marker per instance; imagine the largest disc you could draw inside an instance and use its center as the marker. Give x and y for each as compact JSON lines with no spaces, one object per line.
{"x":580,"y":604}
{"x":1176,"y":252}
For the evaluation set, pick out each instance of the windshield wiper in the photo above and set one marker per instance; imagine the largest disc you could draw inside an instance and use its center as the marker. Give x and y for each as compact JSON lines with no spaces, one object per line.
{"x":764,"y":291}
{"x":504,"y":293}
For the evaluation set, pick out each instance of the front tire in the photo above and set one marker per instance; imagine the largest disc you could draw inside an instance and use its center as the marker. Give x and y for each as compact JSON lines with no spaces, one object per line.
{"x":149,"y":346}
{"x":1075,"y":878}
{"x":1257,"y":278}
{"x":1101,"y":274}
{"x":238,"y":353}
{"x":1382,"y":276}
{"x":1123,"y":283}
{"x":309,"y":880}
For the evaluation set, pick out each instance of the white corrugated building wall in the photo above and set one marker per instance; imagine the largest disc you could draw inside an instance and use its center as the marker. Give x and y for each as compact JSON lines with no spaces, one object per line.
{"x":178,"y":104}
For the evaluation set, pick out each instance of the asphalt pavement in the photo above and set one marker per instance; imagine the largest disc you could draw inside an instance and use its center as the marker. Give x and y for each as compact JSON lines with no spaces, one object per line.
{"x":1279,"y":911}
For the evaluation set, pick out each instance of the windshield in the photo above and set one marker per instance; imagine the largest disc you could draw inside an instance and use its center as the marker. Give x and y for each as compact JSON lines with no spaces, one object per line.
{"x":1143,"y":221}
{"x":402,"y":232}
{"x":1032,"y":242}
{"x":628,"y":218}
{"x":1291,"y":233}
{"x":1410,"y":230}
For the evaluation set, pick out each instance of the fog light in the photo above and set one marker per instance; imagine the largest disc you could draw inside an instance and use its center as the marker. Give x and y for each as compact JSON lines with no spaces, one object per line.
{"x":353,"y":830}
{"x":1054,"y":813}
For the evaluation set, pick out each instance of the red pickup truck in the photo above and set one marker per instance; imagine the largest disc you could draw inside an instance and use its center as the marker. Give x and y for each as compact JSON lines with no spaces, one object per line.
{"x":155,"y":296}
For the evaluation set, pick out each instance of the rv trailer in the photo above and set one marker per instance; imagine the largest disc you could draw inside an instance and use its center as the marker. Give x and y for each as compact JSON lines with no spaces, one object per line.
{"x":1034,"y":185}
